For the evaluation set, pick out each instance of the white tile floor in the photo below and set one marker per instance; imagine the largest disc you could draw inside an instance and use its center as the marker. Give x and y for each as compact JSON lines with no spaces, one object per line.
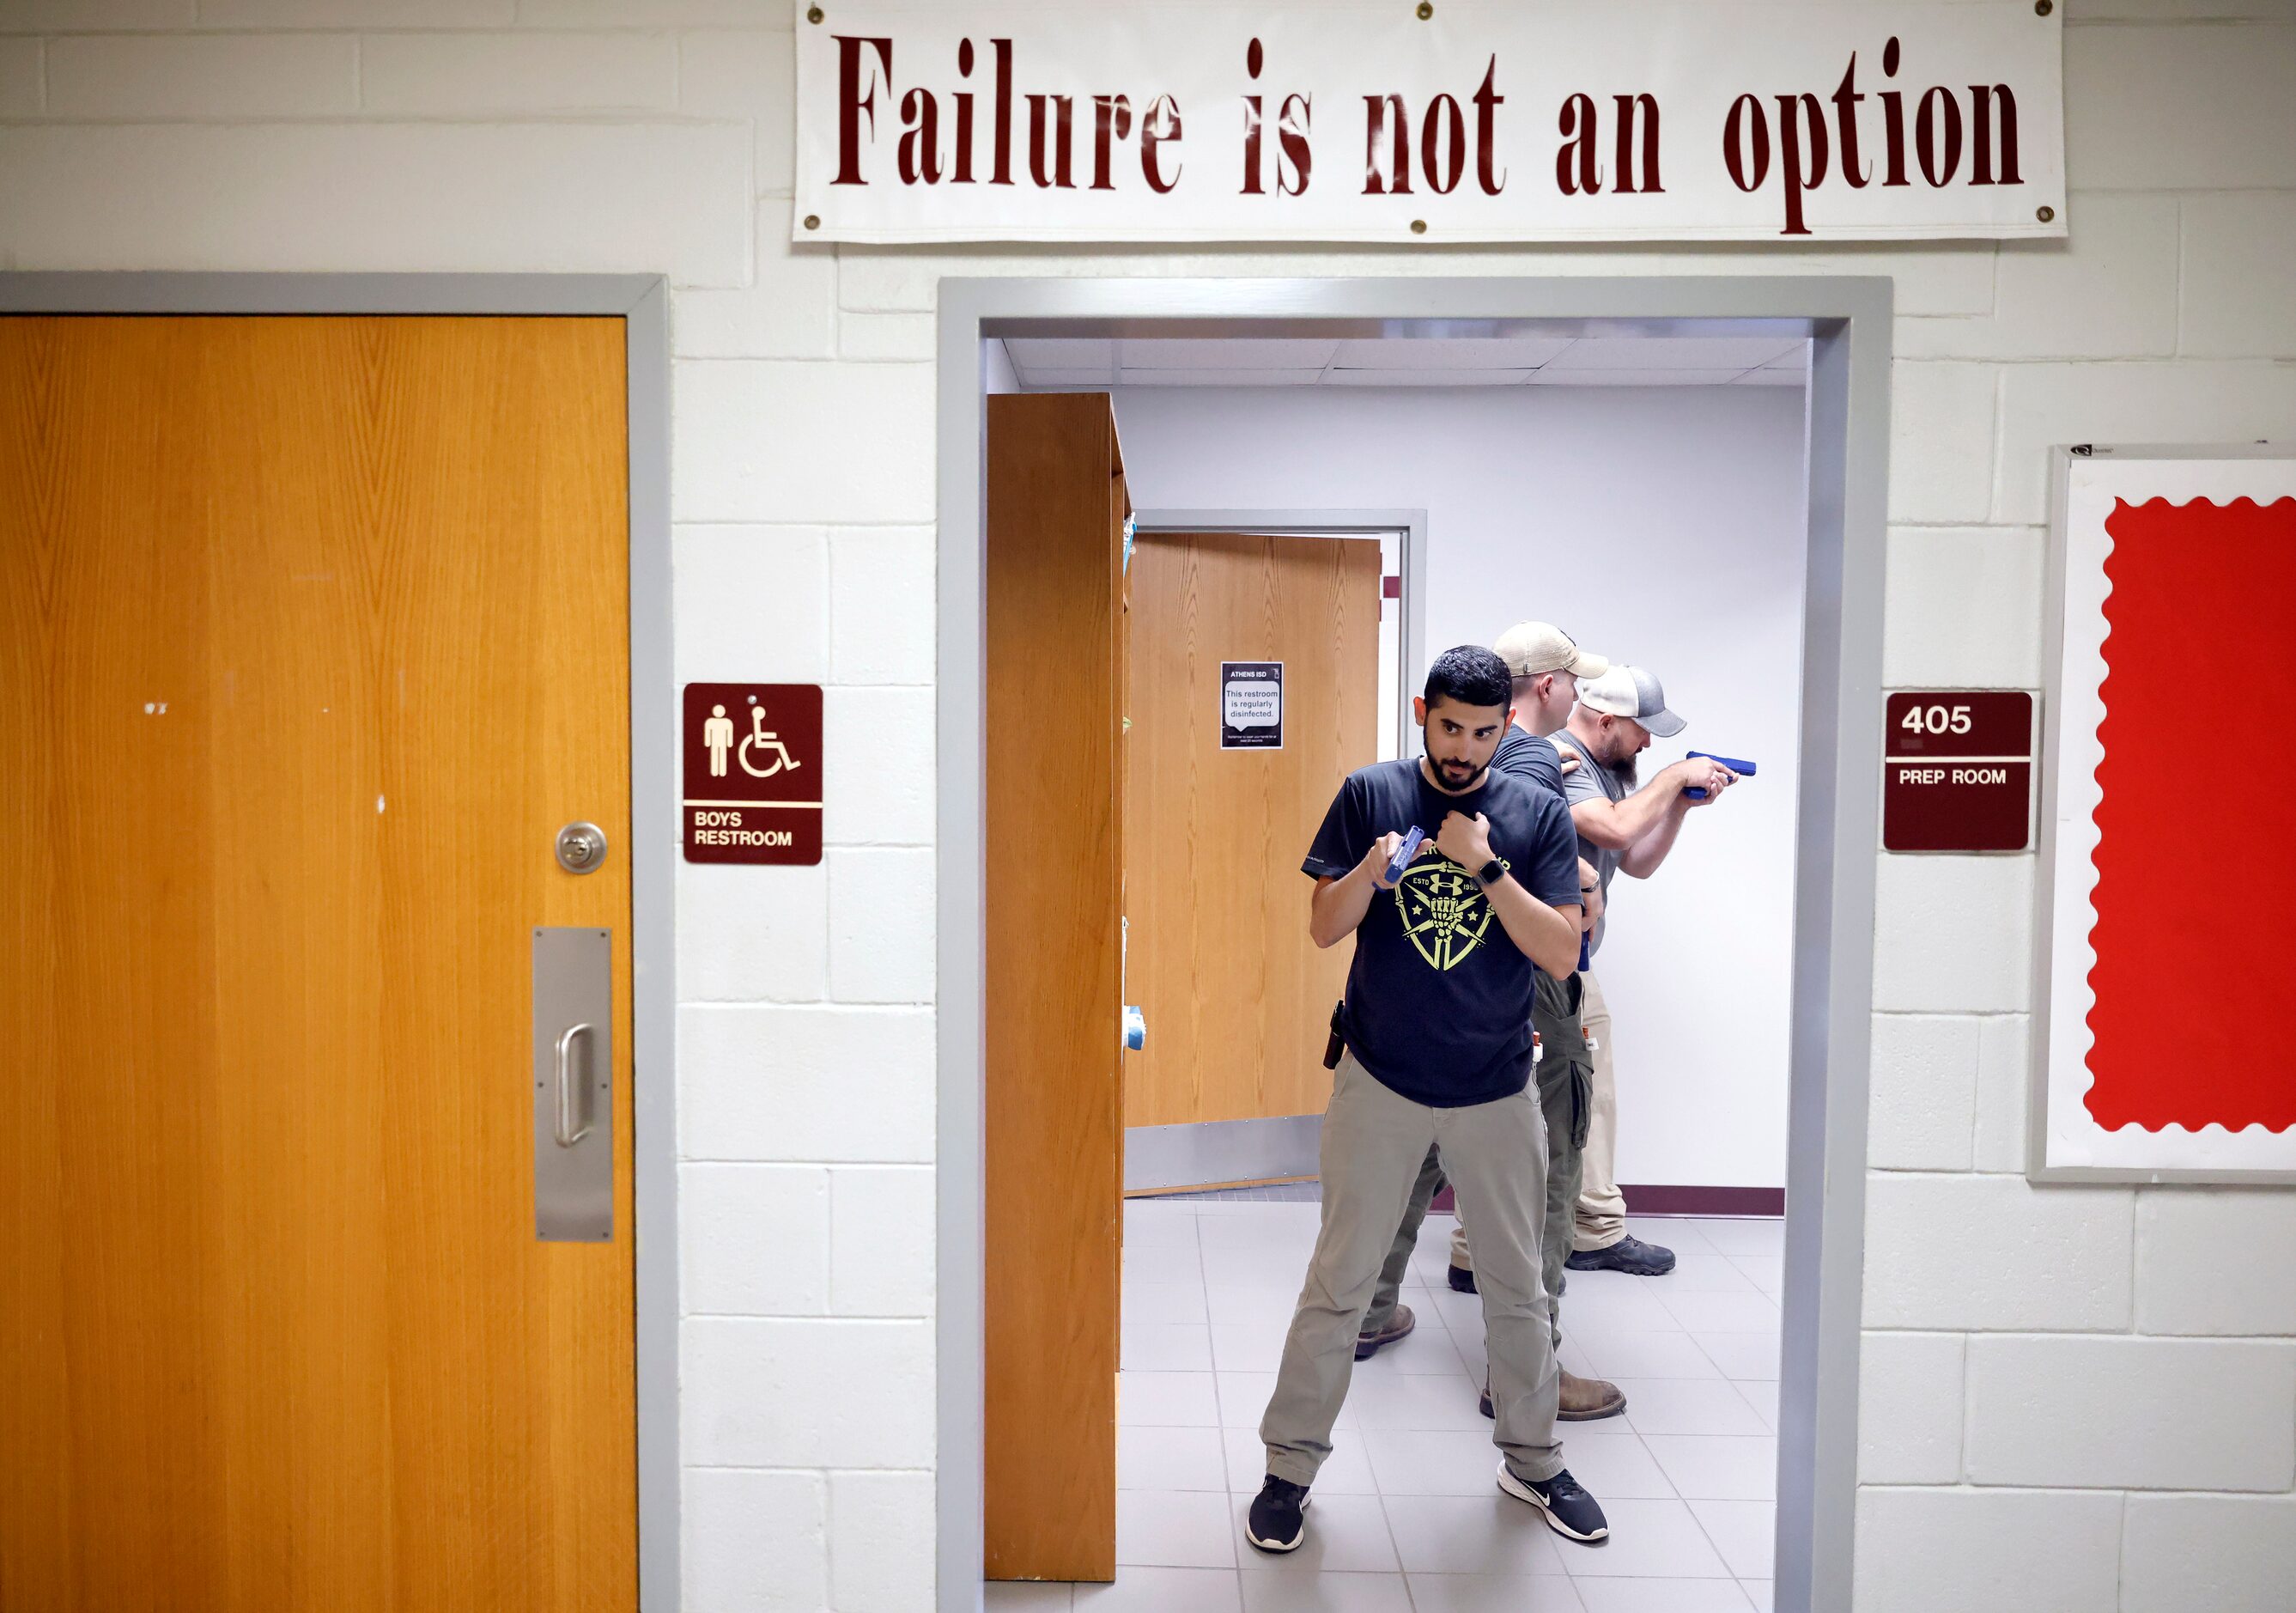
{"x":1406,"y":1515}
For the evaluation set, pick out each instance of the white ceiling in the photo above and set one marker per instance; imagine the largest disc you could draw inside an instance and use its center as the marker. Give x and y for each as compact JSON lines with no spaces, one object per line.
{"x":1053,"y":363}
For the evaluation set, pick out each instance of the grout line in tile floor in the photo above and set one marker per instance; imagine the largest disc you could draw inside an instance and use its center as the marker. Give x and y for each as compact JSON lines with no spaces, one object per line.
{"x":1274,"y":1237}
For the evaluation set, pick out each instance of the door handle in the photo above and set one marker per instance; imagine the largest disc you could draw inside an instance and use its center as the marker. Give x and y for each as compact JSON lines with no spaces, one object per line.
{"x":573,"y":1094}
{"x":570,"y":1069}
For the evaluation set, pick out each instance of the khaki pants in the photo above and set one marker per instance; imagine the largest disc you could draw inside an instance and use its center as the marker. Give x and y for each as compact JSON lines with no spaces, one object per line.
{"x":1375,"y":1144}
{"x":1601,"y":1207}
{"x":1563,"y":1081}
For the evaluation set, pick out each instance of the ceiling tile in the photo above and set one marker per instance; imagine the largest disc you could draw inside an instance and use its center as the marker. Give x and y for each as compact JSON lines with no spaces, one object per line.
{"x":1732,"y":353}
{"x":1059,"y":353}
{"x":1472,"y":377}
{"x":1552,"y":376}
{"x":1216,"y":378}
{"x":1265,"y":353}
{"x":1449,"y":352}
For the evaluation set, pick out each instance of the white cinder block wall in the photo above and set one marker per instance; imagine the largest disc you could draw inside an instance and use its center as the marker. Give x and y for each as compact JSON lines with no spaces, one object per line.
{"x":2074,"y":1399}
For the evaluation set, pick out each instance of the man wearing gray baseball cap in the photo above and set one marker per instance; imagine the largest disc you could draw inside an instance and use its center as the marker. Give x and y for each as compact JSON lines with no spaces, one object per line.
{"x":1620,"y":826}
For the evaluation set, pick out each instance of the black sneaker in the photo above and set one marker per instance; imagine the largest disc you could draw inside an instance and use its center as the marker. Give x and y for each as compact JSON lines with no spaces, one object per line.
{"x":1463,"y":1281}
{"x":1571,"y":1512}
{"x":1276,"y":1524}
{"x":1630,"y":1254}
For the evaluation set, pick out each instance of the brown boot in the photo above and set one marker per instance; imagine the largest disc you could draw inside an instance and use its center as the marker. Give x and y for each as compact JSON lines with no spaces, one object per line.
{"x":1398,"y":1325}
{"x":1583,"y":1399}
{"x":1588,"y":1399}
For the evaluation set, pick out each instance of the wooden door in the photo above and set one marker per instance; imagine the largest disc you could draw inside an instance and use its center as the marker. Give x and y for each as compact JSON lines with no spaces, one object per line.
{"x":313,"y":632}
{"x":1054,"y":1171}
{"x":1238,"y":999}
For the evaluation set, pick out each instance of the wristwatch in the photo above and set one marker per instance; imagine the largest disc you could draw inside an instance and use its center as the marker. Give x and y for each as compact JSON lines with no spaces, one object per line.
{"x":1490,"y":872}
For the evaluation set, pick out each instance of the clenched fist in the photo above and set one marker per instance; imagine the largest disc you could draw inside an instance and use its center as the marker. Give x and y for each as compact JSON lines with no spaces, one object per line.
{"x":1465,"y":840}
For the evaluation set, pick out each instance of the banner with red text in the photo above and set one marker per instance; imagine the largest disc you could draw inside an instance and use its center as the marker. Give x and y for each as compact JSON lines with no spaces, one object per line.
{"x":1534,"y":121}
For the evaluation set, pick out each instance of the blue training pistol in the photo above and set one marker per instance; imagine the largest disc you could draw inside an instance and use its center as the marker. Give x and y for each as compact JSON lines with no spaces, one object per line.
{"x":1404,"y":853}
{"x":1745,"y":769}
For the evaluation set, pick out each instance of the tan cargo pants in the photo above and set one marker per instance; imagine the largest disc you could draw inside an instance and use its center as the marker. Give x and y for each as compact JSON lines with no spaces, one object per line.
{"x":1563,"y":1079}
{"x":1374,"y":1143}
{"x":1602,"y":1218}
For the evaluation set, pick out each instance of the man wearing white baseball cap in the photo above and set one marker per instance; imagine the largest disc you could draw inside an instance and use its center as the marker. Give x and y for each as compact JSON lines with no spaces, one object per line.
{"x":1620,"y":826}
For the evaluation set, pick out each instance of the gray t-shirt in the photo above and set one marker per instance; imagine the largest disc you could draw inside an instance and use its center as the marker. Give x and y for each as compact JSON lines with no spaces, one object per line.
{"x":1590,"y":780}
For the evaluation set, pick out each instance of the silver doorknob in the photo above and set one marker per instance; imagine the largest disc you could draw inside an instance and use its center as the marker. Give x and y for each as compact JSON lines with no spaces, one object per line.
{"x":581,"y":848}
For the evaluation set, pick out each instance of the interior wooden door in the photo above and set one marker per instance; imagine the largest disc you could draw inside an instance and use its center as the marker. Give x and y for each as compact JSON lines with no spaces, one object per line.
{"x":1238,"y":999}
{"x":313,"y":632}
{"x":1054,"y":1167}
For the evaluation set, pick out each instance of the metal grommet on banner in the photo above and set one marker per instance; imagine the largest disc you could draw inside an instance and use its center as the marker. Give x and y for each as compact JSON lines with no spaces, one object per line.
{"x":1419,"y":227}
{"x":1427,"y":9}
{"x":2042,"y":8}
{"x":813,"y":221}
{"x":2047,"y":214}
{"x":813,"y":12}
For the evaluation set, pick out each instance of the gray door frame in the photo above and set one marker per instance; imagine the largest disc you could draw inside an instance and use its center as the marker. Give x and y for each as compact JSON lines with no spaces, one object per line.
{"x":642,"y":302}
{"x":1837,"y":819}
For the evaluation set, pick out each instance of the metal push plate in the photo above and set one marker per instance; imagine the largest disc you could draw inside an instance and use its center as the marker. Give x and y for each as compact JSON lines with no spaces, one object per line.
{"x":573,"y":1085}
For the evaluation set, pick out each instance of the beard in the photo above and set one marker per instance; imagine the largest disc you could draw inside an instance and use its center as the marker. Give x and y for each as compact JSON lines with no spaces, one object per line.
{"x":1628,"y":770}
{"x":1458,"y":775}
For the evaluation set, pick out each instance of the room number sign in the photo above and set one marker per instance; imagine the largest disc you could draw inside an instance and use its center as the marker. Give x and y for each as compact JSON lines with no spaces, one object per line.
{"x":1958,"y":770}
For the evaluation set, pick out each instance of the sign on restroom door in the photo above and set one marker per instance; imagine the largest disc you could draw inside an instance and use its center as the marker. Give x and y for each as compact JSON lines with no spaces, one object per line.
{"x":1251,"y":705}
{"x":752,"y":769}
{"x":1958,"y":771}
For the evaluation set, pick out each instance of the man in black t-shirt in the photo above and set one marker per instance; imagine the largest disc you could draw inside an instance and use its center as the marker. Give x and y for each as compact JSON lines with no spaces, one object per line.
{"x":1546,"y":664}
{"x":1437,"y":1027}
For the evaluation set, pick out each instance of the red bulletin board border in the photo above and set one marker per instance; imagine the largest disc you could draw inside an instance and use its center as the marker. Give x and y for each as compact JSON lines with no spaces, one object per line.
{"x":2196,"y":964}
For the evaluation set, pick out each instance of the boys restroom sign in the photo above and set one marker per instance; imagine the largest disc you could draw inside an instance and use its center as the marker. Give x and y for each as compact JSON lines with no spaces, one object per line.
{"x":752,"y":772}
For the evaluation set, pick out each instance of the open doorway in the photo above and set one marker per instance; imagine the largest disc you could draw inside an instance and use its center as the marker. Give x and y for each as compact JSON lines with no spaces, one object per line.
{"x":1176,"y":1460}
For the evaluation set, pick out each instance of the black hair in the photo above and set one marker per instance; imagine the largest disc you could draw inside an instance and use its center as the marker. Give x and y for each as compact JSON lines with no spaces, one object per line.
{"x":1470,"y":674}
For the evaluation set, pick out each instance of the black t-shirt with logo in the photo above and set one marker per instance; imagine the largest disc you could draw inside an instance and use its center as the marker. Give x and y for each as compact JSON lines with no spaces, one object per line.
{"x":1439,"y":995}
{"x":1529,"y":756}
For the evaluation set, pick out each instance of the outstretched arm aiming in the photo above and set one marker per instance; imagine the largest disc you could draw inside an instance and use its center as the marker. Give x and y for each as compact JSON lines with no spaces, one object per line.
{"x":1644,"y":824}
{"x":1642,"y":857}
{"x":1339,"y":905}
